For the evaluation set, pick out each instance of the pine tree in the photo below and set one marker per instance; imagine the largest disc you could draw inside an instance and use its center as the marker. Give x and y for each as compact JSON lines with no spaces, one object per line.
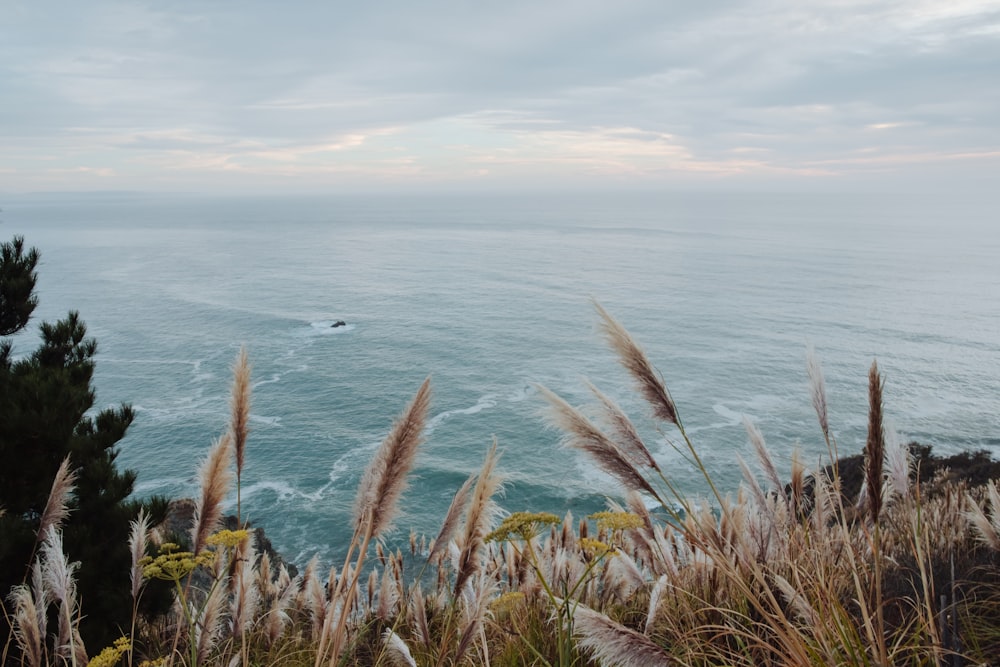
{"x":45,"y":402}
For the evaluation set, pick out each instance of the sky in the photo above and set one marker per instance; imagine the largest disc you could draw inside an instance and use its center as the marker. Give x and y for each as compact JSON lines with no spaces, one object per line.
{"x":250,"y":96}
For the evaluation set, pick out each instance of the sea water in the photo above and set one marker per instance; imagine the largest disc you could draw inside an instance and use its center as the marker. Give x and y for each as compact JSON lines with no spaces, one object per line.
{"x":490,"y":296}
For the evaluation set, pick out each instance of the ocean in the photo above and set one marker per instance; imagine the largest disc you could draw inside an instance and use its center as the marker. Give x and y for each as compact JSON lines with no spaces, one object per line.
{"x":490,"y":295}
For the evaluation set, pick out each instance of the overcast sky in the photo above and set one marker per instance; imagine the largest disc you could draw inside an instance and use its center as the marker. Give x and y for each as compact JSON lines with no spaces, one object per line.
{"x":329,"y":96}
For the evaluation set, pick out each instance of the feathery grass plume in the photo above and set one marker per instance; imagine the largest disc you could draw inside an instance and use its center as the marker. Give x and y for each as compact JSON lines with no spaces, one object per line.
{"x":372,"y":581}
{"x":267,"y":587}
{"x":25,"y":625}
{"x":875,"y":444}
{"x":451,"y":518}
{"x":385,"y":478}
{"x":824,"y":501}
{"x":42,"y":596}
{"x":631,"y":356}
{"x":751,"y":482}
{"x":797,"y":601}
{"x":475,"y":600}
{"x":138,"y":541}
{"x":817,"y":389}
{"x":209,"y":622}
{"x":797,"y":483}
{"x":277,"y":616}
{"x":76,"y":647}
{"x":654,"y":602}
{"x":626,"y":435}
{"x":580,"y":433}
{"x":898,"y":461}
{"x":396,"y":650}
{"x":764,"y":459}
{"x":567,"y":540}
{"x":56,"y":510}
{"x":375,"y":506}
{"x":58,"y":577}
{"x":478,"y":517}
{"x":215,"y":476}
{"x":246,"y":594}
{"x":612,"y":643}
{"x":986,"y":527}
{"x":388,"y":596}
{"x":647,"y":539}
{"x":312,"y":597}
{"x":240,"y":419}
{"x":623,"y":576}
{"x":418,"y":614}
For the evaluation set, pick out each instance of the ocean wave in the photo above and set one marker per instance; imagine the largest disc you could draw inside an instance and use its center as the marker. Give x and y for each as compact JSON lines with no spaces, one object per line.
{"x":261,"y":419}
{"x":484,"y":403}
{"x":732,"y":416}
{"x":281,"y":488}
{"x":521,"y":394}
{"x":188,"y":407}
{"x":170,"y":485}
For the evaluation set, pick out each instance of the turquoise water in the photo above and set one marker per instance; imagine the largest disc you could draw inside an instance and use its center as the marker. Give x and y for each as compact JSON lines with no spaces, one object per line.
{"x":490,"y":295}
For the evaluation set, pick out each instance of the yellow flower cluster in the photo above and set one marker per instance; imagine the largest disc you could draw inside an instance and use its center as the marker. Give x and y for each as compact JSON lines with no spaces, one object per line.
{"x":158,"y":662}
{"x":110,"y":656}
{"x":230,"y":539}
{"x":617,"y":520}
{"x":507,"y":602}
{"x":522,"y":524}
{"x":173,"y":565}
{"x":594,"y":547}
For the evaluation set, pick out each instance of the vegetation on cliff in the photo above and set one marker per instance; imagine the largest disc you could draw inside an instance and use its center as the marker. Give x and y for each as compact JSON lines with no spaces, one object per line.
{"x":886,"y":558}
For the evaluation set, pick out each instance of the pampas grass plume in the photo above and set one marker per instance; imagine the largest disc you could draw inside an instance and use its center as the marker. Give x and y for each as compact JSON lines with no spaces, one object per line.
{"x":628,"y":438}
{"x":239,"y":424}
{"x":56,"y":509}
{"x":631,"y":356}
{"x":451,"y":518}
{"x":763,"y":454}
{"x":478,"y":516}
{"x":215,"y":477}
{"x":898,"y":461}
{"x":817,"y":390}
{"x":385,"y":478}
{"x":137,"y":541}
{"x":581,"y":433}
{"x":240,"y":407}
{"x":396,"y":650}
{"x":27,"y":633}
{"x":612,"y":643}
{"x":875,"y":445}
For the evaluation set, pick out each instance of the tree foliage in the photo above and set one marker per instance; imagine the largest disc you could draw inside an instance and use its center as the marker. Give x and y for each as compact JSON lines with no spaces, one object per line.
{"x":46,"y":402}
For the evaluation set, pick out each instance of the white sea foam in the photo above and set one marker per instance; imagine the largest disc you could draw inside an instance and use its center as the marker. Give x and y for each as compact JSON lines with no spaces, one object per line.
{"x":326,"y":328}
{"x":732,"y":416}
{"x":281,"y":488}
{"x":484,"y":403}
{"x":188,"y":406}
{"x":169,"y":485}
{"x":261,"y":419}
{"x":521,"y":393}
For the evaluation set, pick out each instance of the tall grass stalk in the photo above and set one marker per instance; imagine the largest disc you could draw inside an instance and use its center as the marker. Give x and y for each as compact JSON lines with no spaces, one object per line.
{"x":381,"y":486}
{"x":239,"y":425}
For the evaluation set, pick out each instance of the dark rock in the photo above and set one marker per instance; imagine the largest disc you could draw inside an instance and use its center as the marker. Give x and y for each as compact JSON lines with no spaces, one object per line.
{"x":974,"y":468}
{"x":338,"y":323}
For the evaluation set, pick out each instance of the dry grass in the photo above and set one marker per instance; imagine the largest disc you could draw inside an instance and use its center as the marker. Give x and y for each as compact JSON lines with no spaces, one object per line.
{"x":784,"y":572}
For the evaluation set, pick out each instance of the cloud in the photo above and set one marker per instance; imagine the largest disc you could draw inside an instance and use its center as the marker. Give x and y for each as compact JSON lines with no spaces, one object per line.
{"x":642,"y":88}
